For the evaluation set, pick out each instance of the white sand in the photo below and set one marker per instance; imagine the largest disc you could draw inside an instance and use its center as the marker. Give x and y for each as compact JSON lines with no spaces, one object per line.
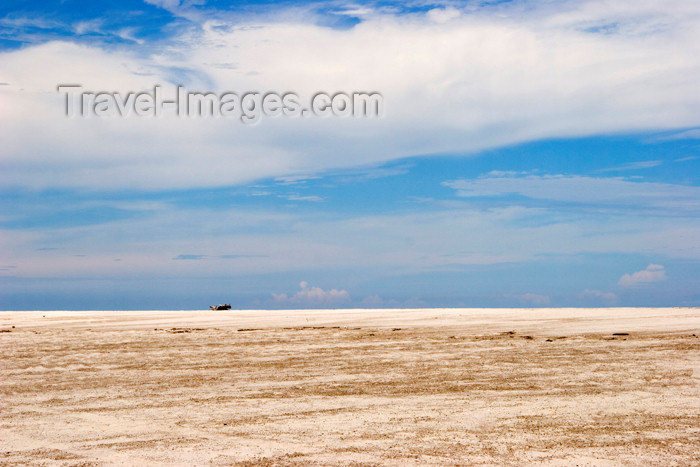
{"x":364,"y":387}
{"x":541,"y":320}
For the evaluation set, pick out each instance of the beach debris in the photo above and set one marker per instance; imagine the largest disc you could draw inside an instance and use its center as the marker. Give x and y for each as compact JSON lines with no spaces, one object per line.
{"x":183,"y":330}
{"x":220,"y":307}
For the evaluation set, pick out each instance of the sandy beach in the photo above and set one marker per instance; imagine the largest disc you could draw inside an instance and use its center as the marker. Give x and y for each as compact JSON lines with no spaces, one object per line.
{"x":615,"y":386}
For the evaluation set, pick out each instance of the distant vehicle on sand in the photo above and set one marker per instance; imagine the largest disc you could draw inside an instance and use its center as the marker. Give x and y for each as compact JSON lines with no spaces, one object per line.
{"x":220,"y":307}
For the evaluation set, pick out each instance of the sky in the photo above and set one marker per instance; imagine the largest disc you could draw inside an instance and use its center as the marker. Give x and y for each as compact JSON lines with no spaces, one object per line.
{"x":529,"y":154}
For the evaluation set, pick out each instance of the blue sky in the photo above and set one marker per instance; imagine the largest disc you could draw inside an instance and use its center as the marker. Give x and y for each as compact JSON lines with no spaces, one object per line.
{"x":530,"y":154}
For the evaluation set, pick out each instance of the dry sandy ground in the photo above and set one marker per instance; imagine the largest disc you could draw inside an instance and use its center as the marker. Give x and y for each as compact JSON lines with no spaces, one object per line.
{"x":379,"y":387}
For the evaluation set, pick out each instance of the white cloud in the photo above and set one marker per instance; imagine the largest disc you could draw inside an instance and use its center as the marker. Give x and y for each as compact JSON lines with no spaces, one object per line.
{"x":597,"y":295}
{"x":415,"y":302}
{"x":534,"y":299}
{"x":653,"y":273}
{"x":443,"y":15}
{"x":486,"y":78}
{"x":313,"y":296}
{"x":372,"y":301}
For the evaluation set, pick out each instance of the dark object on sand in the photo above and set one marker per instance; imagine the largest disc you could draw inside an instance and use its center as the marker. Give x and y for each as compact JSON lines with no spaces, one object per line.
{"x":220,"y":307}
{"x":621,"y":333}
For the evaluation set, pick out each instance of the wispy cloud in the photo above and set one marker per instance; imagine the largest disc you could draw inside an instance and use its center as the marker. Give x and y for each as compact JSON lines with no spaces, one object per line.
{"x":372,"y":301}
{"x":686,"y":134}
{"x":87,"y":27}
{"x":630,"y":166}
{"x":362,"y":174}
{"x":295,"y":179}
{"x":17,"y":22}
{"x":296,"y":197}
{"x":604,"y":191}
{"x":240,"y":256}
{"x":533,"y":299}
